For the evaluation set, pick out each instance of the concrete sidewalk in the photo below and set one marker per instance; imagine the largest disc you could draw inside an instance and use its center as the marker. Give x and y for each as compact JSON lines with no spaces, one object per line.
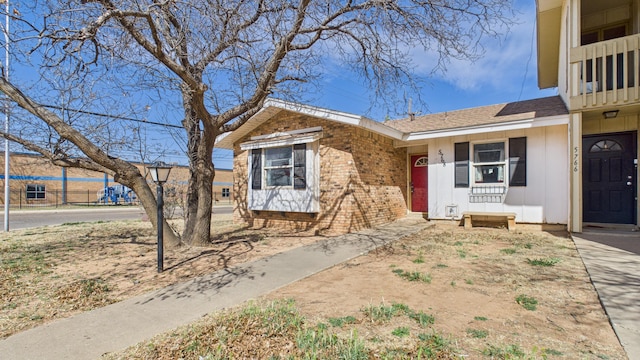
{"x":115,"y":327}
{"x":612,"y":258}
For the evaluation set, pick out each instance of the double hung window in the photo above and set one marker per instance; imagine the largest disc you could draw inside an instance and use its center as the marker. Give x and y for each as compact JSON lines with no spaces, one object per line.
{"x":278,"y":166}
{"x":489,"y":164}
{"x":283,"y":167}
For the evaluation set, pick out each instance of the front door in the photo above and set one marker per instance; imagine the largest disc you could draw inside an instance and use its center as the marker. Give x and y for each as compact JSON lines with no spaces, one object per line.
{"x":418,"y":184}
{"x":609,"y":181}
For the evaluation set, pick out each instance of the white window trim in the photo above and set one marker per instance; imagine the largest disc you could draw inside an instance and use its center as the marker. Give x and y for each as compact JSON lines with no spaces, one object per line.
{"x":421,"y":162}
{"x":265,"y":169}
{"x":504,"y":163}
{"x":291,"y":200}
{"x":283,"y":139}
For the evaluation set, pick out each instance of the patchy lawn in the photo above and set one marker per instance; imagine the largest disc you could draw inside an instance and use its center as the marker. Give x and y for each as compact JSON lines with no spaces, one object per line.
{"x":444,"y":293}
{"x":55,"y":272}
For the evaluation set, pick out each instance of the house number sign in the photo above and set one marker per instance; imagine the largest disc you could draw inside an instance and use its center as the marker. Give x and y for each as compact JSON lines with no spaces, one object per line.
{"x":444,"y":163}
{"x":575,"y":159}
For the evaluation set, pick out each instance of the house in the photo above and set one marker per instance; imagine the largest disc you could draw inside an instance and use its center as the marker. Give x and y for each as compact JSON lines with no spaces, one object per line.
{"x":588,"y":49}
{"x":307,"y":168}
{"x":569,"y":159}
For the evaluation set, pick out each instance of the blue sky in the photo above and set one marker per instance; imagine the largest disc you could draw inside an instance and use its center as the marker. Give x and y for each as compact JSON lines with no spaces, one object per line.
{"x":507,"y":72}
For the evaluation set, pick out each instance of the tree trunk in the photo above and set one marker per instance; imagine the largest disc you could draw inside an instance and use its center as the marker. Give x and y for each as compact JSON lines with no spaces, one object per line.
{"x":198,"y":225}
{"x":197,"y":229}
{"x":199,"y":194}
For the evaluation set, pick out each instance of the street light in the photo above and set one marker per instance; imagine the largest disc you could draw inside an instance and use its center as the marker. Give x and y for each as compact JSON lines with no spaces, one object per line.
{"x":160,"y":173}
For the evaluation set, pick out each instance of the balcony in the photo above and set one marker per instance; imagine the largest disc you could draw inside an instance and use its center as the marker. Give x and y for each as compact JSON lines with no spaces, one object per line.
{"x":605,"y":73}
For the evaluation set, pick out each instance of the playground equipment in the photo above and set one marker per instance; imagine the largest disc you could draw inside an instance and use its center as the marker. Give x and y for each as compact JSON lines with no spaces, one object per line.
{"x":116,"y":194}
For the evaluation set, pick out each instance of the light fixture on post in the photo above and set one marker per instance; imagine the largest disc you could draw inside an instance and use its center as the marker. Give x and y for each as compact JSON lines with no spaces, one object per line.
{"x":610,"y":114}
{"x":160,"y":173}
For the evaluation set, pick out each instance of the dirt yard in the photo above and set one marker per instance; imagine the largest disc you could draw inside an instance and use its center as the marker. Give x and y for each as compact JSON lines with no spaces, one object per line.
{"x":476,"y":284}
{"x":57,"y":271}
{"x":487,"y":290}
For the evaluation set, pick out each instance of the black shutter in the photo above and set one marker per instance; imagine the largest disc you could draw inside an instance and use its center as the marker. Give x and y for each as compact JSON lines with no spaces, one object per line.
{"x":518,"y":161}
{"x":462,"y":165}
{"x":299,"y":166}
{"x":256,"y":169}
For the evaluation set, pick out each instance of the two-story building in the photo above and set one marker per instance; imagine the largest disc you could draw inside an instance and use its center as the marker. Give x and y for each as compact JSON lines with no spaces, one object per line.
{"x":588,"y":49}
{"x":569,"y":159}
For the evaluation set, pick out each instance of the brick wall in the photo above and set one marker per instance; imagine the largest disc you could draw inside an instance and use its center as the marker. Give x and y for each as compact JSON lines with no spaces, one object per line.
{"x":362,"y":179}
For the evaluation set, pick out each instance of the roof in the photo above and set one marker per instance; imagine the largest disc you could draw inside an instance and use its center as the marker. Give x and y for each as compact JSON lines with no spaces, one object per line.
{"x":485,"y":115}
{"x":405,"y":132}
{"x":273,"y":107}
{"x":548,"y":30}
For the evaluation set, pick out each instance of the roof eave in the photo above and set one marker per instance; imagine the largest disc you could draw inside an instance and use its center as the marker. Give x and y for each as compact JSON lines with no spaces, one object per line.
{"x":414,"y":137}
{"x":274,"y":106}
{"x":549,"y":21}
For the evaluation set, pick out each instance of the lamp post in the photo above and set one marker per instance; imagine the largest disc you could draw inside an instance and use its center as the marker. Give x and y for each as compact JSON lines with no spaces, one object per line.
{"x":160,"y":173}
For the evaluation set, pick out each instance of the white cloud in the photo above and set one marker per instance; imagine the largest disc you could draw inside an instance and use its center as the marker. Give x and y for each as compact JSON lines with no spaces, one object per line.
{"x":503,"y":64}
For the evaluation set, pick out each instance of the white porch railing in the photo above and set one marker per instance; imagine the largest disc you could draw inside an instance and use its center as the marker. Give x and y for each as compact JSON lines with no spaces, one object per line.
{"x":605,"y":73}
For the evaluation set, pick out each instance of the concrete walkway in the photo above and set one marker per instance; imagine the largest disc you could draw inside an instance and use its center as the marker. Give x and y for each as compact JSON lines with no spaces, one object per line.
{"x":612,"y":258}
{"x":115,"y":327}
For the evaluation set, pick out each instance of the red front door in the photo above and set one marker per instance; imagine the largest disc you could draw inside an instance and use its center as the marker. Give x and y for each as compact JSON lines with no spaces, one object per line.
{"x":418,"y":184}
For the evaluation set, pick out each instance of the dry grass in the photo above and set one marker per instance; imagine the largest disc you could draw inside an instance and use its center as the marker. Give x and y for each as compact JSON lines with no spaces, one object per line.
{"x":469,"y":310}
{"x":55,"y":272}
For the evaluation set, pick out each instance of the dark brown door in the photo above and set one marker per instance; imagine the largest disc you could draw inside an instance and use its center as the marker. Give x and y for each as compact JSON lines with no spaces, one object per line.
{"x":608,"y":180}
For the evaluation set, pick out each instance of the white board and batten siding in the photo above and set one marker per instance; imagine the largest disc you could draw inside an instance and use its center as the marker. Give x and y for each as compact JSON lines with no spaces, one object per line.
{"x":545,"y":198}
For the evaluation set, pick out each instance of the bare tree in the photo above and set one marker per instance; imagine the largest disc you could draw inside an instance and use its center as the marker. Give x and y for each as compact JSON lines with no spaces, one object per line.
{"x":220,"y":59}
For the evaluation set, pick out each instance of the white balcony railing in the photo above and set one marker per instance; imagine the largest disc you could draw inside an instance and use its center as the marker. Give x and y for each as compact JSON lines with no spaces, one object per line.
{"x":605,"y":73}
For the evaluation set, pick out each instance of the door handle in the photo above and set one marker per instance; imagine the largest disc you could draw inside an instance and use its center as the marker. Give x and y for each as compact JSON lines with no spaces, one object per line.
{"x":411,"y":185}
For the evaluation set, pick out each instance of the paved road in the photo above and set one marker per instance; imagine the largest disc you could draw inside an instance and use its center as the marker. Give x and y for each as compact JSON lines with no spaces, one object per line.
{"x":23,"y":219}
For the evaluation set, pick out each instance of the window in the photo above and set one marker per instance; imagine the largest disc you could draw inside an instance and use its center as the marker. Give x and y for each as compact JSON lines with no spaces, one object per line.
{"x":605,"y":145}
{"x":284,"y":171}
{"x":462,"y":164}
{"x":36,"y":192}
{"x":488,"y":163}
{"x":278,"y":166}
{"x":225,"y":192}
{"x":422,"y":162}
{"x":283,"y":167}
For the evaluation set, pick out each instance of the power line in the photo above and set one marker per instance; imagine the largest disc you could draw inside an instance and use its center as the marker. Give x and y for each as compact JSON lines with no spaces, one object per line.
{"x":526,"y":69}
{"x":111,"y":116}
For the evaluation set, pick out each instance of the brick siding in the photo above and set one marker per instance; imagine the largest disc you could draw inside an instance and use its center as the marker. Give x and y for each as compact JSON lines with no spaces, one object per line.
{"x":362,"y":179}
